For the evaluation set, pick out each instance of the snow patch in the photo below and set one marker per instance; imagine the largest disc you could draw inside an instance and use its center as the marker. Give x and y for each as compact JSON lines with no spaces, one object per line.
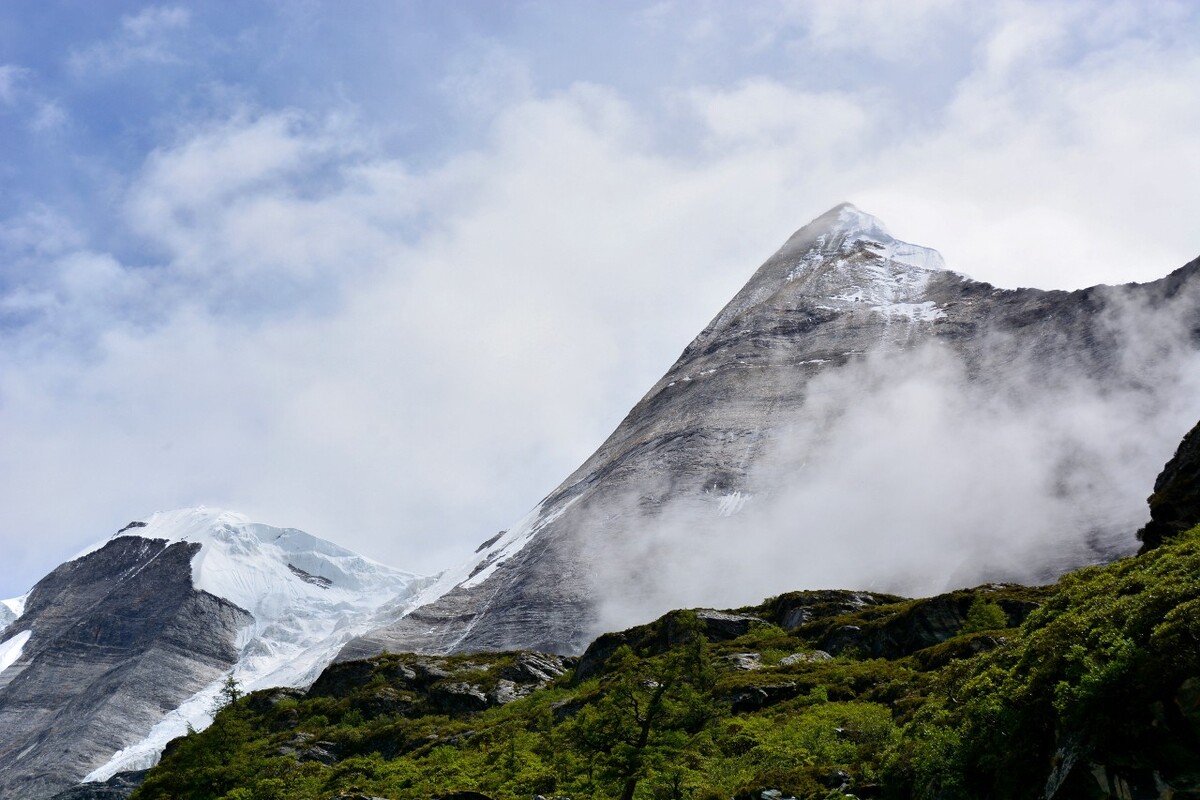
{"x":898,"y":252}
{"x":732,"y":503}
{"x":10,"y":649}
{"x":485,"y":561}
{"x":917,"y":312}
{"x":858,"y":262}
{"x":16,"y":605}
{"x":512,"y":543}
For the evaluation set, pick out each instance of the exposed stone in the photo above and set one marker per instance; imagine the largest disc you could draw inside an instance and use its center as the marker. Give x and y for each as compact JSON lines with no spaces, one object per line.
{"x":536,"y":668}
{"x":744,"y":661}
{"x":756,"y":698}
{"x":1175,"y":504}
{"x":804,"y":658}
{"x":118,"y":787}
{"x":459,"y":698}
{"x":506,"y":691}
{"x":119,"y":635}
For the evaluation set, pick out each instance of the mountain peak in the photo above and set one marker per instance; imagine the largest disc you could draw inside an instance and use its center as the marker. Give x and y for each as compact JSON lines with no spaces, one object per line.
{"x":305,"y":597}
{"x":849,"y":219}
{"x":845,"y":231}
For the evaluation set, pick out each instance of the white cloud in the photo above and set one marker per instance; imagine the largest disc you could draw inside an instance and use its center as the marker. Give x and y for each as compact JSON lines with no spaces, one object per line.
{"x":151,"y":36}
{"x":154,"y":21}
{"x":1056,"y":166}
{"x":405,"y":357}
{"x":765,"y":115}
{"x":488,"y":79}
{"x":11,"y":77}
{"x":888,"y":31}
{"x":50,"y":116}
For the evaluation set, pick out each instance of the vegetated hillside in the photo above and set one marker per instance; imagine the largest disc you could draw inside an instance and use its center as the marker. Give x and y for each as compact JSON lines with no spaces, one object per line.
{"x":1087,"y":688}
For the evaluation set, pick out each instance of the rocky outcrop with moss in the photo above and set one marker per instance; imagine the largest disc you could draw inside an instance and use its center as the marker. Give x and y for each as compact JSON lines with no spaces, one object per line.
{"x":1090,"y":689}
{"x":1175,"y":504}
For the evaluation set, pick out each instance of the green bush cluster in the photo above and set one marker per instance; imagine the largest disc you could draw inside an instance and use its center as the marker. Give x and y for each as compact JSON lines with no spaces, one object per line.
{"x":1092,"y":677}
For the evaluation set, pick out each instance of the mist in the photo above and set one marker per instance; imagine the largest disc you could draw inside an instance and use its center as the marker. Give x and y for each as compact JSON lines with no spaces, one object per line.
{"x":916,"y":471}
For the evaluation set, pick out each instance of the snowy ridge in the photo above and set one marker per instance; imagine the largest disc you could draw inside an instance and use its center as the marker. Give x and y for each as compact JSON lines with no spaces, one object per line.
{"x":299,"y":624}
{"x":486,"y":560}
{"x":16,"y":605}
{"x":11,"y":610}
{"x":856,"y":261}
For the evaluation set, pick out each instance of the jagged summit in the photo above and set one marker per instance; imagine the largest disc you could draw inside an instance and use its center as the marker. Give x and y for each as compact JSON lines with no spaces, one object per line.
{"x":843,"y":261}
{"x":843,"y":221}
{"x":844,"y":227}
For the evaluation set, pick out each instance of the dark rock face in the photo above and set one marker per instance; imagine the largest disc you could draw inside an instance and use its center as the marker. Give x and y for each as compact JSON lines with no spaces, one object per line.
{"x":1175,"y":504}
{"x":840,"y":290}
{"x":902,"y":629}
{"x":118,"y":638}
{"x":790,"y":611}
{"x":418,"y":684}
{"x":661,"y":635}
{"x":118,"y":787}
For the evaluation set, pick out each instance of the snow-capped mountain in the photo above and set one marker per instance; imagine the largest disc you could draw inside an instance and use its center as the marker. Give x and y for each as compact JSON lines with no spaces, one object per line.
{"x":1006,"y":422}
{"x":856,"y":416}
{"x":122,"y":648}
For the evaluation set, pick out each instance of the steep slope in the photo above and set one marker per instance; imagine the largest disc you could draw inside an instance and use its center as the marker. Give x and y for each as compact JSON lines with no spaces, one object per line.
{"x":762,"y":405}
{"x":121,"y":649}
{"x":1085,"y":689}
{"x":1175,"y":504}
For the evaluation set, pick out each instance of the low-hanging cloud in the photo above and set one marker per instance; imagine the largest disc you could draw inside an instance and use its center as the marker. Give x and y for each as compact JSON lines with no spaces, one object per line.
{"x":912,"y":472}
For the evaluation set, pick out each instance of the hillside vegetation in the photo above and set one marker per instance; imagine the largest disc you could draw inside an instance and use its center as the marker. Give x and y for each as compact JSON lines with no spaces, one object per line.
{"x":1087,"y":688}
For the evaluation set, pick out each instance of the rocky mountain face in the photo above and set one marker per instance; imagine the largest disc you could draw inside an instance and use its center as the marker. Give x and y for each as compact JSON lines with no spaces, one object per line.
{"x":1024,"y":385}
{"x":118,"y":651}
{"x":1175,"y":504}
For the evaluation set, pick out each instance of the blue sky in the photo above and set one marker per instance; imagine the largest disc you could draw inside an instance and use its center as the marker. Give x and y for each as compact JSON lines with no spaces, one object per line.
{"x":388,"y":271}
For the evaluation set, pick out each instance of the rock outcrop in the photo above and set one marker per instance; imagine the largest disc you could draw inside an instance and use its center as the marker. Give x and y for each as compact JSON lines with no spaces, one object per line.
{"x":118,"y":638}
{"x":1175,"y":504}
{"x":118,"y":787}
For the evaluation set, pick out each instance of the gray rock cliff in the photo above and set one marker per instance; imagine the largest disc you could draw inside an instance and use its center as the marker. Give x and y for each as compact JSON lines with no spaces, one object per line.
{"x":119,"y":651}
{"x":1175,"y":503}
{"x":839,"y":305}
{"x":118,"y":637}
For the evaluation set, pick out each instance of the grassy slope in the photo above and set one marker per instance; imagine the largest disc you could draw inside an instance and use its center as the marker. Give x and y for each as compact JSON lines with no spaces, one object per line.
{"x":1098,"y":688}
